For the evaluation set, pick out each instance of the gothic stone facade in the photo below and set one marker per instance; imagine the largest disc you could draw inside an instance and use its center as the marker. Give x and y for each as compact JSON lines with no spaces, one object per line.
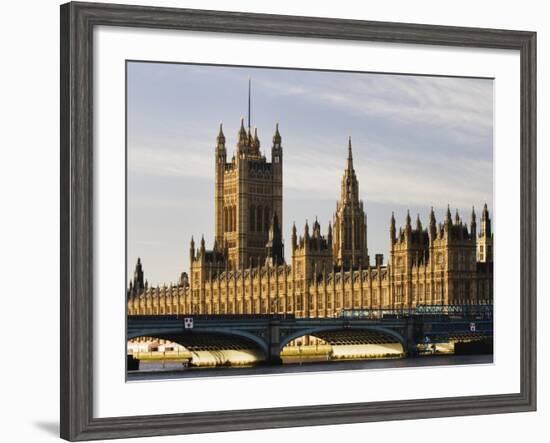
{"x":245,"y":272}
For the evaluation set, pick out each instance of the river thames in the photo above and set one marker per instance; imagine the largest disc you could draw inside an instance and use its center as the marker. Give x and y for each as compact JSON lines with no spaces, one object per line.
{"x":157,"y":370}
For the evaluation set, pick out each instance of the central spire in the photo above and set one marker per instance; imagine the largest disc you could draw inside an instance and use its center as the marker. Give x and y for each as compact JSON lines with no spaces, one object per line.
{"x":350,"y":221}
{"x":350,"y":156}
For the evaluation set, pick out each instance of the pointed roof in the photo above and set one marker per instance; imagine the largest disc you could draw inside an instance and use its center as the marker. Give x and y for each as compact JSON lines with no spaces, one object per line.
{"x":242,"y":132}
{"x":221,"y":135}
{"x":350,"y":155}
{"x":277,"y":135}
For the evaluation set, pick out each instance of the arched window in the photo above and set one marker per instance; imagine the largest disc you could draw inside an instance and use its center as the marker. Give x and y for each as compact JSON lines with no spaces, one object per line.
{"x":266,"y":219}
{"x":225,"y":220}
{"x":259,"y":219}
{"x":252,"y":220}
{"x":234,"y":222}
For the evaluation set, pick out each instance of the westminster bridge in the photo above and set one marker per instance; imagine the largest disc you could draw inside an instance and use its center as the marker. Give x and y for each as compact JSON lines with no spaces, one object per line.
{"x":271,"y":333}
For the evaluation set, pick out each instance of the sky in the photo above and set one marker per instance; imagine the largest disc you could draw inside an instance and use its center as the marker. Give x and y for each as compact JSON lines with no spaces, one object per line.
{"x":418,"y":142}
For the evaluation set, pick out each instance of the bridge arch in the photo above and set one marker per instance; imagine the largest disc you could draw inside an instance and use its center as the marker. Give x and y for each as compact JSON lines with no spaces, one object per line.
{"x":312,"y":331}
{"x":176,"y":335}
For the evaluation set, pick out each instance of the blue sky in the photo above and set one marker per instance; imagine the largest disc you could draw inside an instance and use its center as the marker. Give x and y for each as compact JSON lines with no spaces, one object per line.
{"x":417,"y":141}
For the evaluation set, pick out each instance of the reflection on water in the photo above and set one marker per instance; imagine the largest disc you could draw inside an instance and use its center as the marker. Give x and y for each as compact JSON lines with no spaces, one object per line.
{"x":219,"y":351}
{"x":226,"y":357}
{"x":342,"y":350}
{"x":157,"y":370}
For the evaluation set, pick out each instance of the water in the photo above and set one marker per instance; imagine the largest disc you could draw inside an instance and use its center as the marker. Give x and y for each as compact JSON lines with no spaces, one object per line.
{"x":171,"y":370}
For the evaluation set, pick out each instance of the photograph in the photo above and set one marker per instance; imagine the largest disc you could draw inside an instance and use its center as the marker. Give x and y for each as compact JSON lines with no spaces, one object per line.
{"x":283,"y":220}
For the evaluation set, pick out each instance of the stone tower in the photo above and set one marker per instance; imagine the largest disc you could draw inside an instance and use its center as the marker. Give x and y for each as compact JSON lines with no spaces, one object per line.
{"x":311,"y":253}
{"x":409,"y":248}
{"x":436,"y":265}
{"x":485,"y":239}
{"x":137,"y":285}
{"x":350,"y":222}
{"x":248,"y":193}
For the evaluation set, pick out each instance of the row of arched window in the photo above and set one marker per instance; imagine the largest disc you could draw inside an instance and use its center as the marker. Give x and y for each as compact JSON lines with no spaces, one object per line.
{"x":259,"y":218}
{"x":230,"y":218}
{"x":349,"y":234}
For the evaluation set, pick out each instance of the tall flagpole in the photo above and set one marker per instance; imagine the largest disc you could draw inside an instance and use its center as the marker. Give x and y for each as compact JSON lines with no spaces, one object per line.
{"x":249,"y":103}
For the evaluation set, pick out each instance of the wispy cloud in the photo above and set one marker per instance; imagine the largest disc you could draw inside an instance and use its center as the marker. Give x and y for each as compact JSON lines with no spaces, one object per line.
{"x":163,"y":161}
{"x":459,"y":105}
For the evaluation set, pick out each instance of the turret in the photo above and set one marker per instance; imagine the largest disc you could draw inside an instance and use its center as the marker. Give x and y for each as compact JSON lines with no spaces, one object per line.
{"x":255,"y":144}
{"x":294,"y":237}
{"x":448,"y":219}
{"x":418,"y":223}
{"x":473,"y":225}
{"x":242,"y":139}
{"x":138,"y":285}
{"x":485,"y":238}
{"x":203,"y":248}
{"x":192,"y":249}
{"x":393,"y":231}
{"x":277,"y":168}
{"x":277,"y":152}
{"x":220,"y":140}
{"x":276,"y":137}
{"x":432,"y":230}
{"x":485,"y":222}
{"x":408,"y":227}
{"x":316,"y":229}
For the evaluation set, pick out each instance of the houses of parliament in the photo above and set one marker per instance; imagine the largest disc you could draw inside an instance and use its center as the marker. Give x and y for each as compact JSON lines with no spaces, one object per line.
{"x":245,"y":271}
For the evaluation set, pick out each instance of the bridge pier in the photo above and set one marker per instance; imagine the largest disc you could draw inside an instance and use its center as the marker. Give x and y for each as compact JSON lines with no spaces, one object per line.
{"x":274,"y":354}
{"x":413,"y":329}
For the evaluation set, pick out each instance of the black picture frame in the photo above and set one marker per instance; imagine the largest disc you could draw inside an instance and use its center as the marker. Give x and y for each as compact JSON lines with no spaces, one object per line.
{"x":77,"y":23}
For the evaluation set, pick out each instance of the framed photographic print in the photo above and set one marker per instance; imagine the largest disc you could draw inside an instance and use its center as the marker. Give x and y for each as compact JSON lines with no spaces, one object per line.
{"x":261,"y":213}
